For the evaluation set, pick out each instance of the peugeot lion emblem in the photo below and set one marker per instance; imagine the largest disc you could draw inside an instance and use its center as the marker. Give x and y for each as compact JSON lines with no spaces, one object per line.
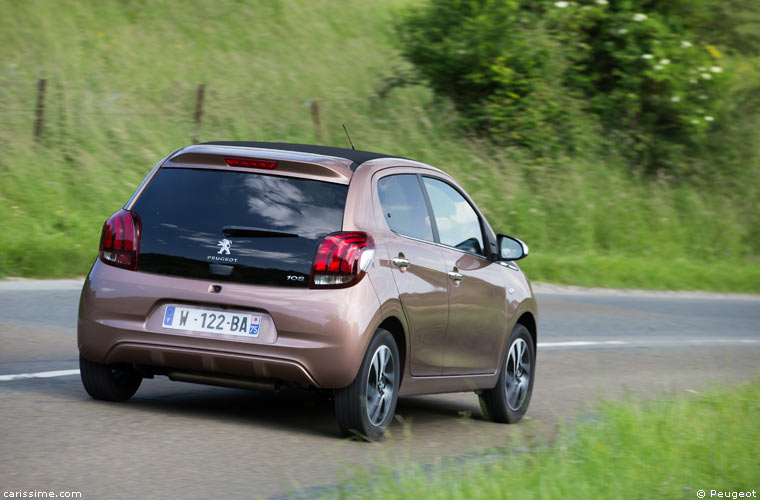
{"x":225,"y":245}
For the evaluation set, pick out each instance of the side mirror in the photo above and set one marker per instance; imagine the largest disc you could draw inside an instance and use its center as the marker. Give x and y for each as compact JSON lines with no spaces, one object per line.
{"x":511,"y":248}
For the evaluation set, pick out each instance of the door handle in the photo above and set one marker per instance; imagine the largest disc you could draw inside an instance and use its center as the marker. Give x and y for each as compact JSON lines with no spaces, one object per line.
{"x":456,"y":276}
{"x":401,"y":262}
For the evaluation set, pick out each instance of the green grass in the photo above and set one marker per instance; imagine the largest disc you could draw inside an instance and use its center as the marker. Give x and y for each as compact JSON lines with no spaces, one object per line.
{"x":629,"y":450}
{"x":122,"y":78}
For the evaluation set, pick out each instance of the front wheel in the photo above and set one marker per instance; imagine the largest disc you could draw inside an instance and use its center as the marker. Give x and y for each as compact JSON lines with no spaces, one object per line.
{"x":366,"y":407}
{"x":509,"y":400}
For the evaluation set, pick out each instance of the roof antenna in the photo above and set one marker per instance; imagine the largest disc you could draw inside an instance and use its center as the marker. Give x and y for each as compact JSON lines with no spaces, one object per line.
{"x":349,"y":137}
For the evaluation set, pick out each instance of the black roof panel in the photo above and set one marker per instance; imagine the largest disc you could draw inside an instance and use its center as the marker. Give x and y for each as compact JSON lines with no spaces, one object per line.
{"x":355,"y":155}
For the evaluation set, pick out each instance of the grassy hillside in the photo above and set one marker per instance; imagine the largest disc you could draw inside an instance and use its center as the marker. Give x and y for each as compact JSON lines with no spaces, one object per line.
{"x":121,"y":87}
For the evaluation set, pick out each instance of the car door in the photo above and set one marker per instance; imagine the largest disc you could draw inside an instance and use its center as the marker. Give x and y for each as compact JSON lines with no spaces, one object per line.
{"x":477,"y":295}
{"x":418,"y":269}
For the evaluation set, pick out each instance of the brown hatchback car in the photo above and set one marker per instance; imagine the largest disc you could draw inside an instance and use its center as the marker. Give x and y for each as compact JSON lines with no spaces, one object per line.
{"x":272,"y":265}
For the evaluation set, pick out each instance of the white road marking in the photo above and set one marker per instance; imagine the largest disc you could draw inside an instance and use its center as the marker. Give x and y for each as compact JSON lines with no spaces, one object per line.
{"x":542,"y":345}
{"x":57,"y":373}
{"x":675,"y":341}
{"x":582,"y":343}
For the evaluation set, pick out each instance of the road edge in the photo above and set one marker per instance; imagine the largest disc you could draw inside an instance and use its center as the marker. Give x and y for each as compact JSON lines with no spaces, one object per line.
{"x":552,"y":289}
{"x":25,"y":284}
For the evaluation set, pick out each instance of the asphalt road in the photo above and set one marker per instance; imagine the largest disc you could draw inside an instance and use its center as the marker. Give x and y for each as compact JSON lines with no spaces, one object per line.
{"x":175,"y":440}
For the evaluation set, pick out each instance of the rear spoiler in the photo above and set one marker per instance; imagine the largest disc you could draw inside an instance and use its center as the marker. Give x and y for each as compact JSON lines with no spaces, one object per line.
{"x":286,"y":163}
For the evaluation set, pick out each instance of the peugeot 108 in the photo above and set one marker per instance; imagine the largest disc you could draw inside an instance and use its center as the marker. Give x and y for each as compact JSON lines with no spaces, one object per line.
{"x":272,"y":265}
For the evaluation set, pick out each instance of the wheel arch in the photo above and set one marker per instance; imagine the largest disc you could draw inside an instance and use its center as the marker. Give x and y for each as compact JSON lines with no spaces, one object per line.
{"x":529,"y":321}
{"x":396,"y":329}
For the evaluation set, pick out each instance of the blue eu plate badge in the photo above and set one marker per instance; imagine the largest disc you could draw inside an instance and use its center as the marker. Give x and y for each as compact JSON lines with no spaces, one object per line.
{"x":169,"y":316}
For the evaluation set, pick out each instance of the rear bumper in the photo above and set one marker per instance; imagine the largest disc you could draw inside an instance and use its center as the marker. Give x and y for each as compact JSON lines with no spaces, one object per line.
{"x":319,"y":336}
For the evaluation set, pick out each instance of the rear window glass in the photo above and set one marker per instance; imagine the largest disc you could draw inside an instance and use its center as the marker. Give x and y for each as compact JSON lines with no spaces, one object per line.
{"x":236,"y":226}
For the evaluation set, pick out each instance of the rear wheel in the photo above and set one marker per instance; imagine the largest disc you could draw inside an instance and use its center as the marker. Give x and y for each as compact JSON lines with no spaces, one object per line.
{"x":366,"y":407}
{"x":509,"y":400}
{"x":109,"y":382}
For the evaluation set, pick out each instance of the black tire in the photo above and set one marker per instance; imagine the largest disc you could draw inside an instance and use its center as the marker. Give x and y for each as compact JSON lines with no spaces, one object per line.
{"x":368,"y":417}
{"x":109,"y":382}
{"x":507,"y":403}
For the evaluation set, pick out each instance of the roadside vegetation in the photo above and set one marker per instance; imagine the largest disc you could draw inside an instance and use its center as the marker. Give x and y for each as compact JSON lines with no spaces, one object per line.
{"x":664,"y":449}
{"x":664,"y":204}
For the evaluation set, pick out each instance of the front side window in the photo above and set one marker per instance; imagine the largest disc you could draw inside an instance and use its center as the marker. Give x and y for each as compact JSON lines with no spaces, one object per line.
{"x":458,"y":223}
{"x":404,"y":206}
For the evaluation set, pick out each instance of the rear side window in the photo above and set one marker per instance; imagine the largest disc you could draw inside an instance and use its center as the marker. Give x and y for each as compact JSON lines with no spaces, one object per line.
{"x":404,"y":206}
{"x":236,"y":226}
{"x":458,"y":224}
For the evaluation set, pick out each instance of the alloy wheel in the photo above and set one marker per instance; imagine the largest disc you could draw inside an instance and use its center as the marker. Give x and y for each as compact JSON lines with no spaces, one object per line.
{"x":380,"y":385}
{"x":517,"y":374}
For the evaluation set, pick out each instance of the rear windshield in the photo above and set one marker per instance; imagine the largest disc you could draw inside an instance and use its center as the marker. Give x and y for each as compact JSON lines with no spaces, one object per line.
{"x":235,"y":226}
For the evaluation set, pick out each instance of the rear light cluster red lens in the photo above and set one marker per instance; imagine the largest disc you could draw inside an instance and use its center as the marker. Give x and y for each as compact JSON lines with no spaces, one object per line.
{"x":342,"y":259}
{"x":251,"y":163}
{"x":120,"y":240}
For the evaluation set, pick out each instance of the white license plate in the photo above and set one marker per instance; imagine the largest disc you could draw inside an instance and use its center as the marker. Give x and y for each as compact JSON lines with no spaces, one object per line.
{"x":202,"y":320}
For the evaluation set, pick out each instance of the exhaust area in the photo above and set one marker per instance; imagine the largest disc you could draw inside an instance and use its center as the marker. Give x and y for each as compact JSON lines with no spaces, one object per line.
{"x":222,"y":381}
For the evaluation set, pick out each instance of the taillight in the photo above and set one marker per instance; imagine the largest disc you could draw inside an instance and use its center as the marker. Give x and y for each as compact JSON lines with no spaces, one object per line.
{"x":251,"y":163}
{"x":120,"y":240}
{"x":342,"y":259}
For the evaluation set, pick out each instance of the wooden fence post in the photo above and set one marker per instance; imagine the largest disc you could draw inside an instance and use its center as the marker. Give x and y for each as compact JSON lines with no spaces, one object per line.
{"x":40,"y":110}
{"x":199,"y":96}
{"x":314,"y":104}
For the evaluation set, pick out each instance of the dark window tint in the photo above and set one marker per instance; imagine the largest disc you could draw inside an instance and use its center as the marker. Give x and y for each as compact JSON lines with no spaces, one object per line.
{"x":236,"y":226}
{"x":404,"y":206}
{"x":457,"y":222}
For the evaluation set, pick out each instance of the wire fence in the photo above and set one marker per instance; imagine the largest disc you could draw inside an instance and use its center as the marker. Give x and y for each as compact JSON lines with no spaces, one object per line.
{"x":36,"y":103}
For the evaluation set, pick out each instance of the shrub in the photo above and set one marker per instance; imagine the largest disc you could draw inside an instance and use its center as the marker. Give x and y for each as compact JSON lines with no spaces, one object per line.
{"x":554,"y":76}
